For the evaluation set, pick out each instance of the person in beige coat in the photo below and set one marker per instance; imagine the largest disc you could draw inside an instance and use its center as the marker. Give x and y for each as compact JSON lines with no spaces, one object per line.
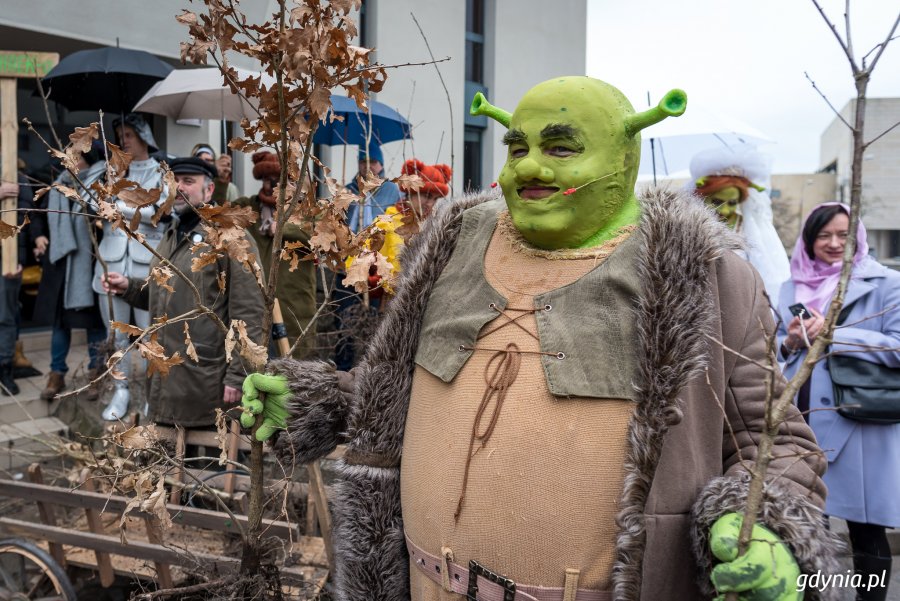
{"x":192,"y":391}
{"x":563,"y":399}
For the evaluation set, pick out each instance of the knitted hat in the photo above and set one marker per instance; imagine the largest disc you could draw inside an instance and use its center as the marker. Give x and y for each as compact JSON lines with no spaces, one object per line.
{"x":374,"y":153}
{"x":435,"y":178}
{"x":265,"y":164}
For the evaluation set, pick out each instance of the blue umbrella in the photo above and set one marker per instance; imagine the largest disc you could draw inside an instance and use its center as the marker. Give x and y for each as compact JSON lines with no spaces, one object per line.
{"x":387,"y":124}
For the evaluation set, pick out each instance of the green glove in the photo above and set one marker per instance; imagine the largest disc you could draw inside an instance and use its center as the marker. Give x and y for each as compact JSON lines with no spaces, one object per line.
{"x":273,"y":408}
{"x":766,"y":572}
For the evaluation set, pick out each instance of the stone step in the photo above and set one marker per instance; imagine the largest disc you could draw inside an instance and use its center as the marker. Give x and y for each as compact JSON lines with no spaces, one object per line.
{"x":20,"y":442}
{"x":39,"y":340}
{"x":22,"y":408}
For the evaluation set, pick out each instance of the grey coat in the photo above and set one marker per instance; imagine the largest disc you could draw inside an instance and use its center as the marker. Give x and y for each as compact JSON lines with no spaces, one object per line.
{"x":684,"y":459}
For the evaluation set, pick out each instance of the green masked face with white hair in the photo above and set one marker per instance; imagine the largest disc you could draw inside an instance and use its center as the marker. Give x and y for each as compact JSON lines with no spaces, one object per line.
{"x":572,"y":160}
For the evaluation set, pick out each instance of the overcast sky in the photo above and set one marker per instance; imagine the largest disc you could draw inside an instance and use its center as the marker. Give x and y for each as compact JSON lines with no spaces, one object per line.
{"x":745,"y":59}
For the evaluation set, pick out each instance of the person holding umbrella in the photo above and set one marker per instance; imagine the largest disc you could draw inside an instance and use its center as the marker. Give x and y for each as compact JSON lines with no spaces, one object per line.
{"x":65,"y":299}
{"x":123,"y":254}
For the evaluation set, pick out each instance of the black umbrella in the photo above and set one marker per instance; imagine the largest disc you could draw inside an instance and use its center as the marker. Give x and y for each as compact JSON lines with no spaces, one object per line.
{"x":108,"y":79}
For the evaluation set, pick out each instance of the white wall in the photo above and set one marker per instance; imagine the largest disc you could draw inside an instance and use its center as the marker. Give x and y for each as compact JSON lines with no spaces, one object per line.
{"x":528,"y":46}
{"x":416,"y":92}
{"x":881,"y":177}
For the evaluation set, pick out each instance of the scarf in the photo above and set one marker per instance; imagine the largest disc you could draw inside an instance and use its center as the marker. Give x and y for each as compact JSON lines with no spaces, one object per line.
{"x":267,"y":198}
{"x":816,"y":281}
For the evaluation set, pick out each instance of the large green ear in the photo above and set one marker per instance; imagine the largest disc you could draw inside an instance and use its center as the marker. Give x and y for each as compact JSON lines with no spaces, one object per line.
{"x":672,"y":105}
{"x":480,"y":106}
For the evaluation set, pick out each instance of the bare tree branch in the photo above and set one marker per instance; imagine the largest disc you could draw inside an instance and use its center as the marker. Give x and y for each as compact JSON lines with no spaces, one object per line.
{"x":885,"y":132}
{"x":837,"y":35}
{"x":828,"y":102}
{"x":847,"y":29}
{"x":449,"y":103}
{"x":881,"y":47}
{"x":727,"y":349}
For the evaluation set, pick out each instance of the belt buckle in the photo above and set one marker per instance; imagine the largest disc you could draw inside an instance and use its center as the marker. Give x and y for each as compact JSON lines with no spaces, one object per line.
{"x":476,"y":570}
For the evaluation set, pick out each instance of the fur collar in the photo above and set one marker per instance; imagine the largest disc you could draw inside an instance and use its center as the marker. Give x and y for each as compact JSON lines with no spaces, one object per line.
{"x":680,"y":240}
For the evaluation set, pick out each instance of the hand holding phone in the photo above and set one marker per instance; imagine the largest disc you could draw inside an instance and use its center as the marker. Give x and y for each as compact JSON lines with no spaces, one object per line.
{"x":800,"y":310}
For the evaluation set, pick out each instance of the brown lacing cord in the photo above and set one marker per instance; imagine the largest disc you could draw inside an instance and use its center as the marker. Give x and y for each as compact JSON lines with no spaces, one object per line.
{"x":498,"y":383}
{"x":512,"y":321}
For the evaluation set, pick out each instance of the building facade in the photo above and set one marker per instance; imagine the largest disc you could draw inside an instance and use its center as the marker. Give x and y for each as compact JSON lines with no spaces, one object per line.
{"x":500,"y":47}
{"x":881,"y":171}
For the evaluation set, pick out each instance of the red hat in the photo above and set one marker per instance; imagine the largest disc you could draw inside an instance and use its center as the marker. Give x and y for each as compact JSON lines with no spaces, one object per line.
{"x":265,"y":164}
{"x":435,"y":178}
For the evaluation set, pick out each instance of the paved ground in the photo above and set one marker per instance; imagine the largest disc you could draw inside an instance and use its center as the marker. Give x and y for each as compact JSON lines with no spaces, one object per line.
{"x":84,"y":417}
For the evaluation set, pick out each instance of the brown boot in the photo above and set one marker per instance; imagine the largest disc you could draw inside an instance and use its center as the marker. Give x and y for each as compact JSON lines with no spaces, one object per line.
{"x":93,"y":391}
{"x":56,"y":383}
{"x":19,"y":359}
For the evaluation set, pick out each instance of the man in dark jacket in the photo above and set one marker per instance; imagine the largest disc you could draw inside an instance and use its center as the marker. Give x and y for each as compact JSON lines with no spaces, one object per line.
{"x":192,"y":391}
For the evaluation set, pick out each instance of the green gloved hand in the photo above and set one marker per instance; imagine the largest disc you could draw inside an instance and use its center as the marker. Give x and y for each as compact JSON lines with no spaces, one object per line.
{"x":766,"y":572}
{"x":273,"y":408}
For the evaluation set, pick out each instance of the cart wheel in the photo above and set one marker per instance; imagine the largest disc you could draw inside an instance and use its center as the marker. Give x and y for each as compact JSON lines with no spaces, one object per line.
{"x":28,"y":572}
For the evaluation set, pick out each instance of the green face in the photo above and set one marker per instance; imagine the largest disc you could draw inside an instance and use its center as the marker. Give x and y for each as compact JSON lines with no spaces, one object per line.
{"x":569,"y":133}
{"x":726,"y":202}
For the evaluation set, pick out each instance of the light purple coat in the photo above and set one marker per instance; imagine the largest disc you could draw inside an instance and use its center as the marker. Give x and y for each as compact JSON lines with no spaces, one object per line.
{"x":863,"y":474}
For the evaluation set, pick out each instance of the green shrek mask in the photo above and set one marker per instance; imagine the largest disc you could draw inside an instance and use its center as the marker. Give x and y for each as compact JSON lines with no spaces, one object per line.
{"x":574,"y":148}
{"x":724,"y":194}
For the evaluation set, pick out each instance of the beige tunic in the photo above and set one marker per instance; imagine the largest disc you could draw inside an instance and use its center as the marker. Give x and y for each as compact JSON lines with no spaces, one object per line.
{"x":542,"y":492}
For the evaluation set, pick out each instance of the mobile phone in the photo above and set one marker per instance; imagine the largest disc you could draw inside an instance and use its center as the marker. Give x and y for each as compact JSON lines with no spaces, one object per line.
{"x":800,"y":310}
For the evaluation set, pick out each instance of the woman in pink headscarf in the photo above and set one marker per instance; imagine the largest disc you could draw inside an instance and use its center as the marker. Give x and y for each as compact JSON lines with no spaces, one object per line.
{"x":863,"y":475}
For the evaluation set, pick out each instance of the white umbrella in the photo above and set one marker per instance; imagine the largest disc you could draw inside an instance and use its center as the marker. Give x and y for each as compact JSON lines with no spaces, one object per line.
{"x":198,"y":94}
{"x":674,"y":141}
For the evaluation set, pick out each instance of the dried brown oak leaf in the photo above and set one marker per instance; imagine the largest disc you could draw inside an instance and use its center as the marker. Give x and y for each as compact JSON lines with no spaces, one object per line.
{"x":157,"y":361}
{"x":190,"y":351}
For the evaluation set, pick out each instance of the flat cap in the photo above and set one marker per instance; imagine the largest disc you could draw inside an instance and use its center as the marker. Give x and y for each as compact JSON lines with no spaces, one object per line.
{"x":187,"y":165}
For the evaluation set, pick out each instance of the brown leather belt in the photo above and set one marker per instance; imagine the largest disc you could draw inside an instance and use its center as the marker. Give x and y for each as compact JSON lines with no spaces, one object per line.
{"x":480,"y":584}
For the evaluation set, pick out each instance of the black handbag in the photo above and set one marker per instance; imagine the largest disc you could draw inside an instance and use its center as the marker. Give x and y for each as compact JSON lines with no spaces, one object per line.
{"x":864,"y":391}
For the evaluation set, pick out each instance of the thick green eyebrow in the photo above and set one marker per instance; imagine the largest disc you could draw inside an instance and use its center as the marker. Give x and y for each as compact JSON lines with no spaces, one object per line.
{"x":514,"y":136}
{"x":559,"y":130}
{"x":554,"y":131}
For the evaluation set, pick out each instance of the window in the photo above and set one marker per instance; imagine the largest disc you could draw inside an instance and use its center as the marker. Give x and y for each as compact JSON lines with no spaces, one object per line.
{"x":472,"y":159}
{"x":474,"y":67}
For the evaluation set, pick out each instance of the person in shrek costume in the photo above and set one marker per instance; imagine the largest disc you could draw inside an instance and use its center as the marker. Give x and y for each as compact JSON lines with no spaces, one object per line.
{"x":553,"y":374}
{"x":732,"y":181}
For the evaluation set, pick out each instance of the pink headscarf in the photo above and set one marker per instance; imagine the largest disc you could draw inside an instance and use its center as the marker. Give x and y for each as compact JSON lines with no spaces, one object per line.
{"x":816,"y":281}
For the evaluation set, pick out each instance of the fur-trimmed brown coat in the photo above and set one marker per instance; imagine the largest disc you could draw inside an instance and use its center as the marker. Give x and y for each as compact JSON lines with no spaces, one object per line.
{"x":701,"y":319}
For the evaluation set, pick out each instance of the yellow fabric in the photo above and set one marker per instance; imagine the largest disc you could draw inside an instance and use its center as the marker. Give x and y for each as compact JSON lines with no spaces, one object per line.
{"x":542,"y":494}
{"x":393,"y":242}
{"x":389,"y":222}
